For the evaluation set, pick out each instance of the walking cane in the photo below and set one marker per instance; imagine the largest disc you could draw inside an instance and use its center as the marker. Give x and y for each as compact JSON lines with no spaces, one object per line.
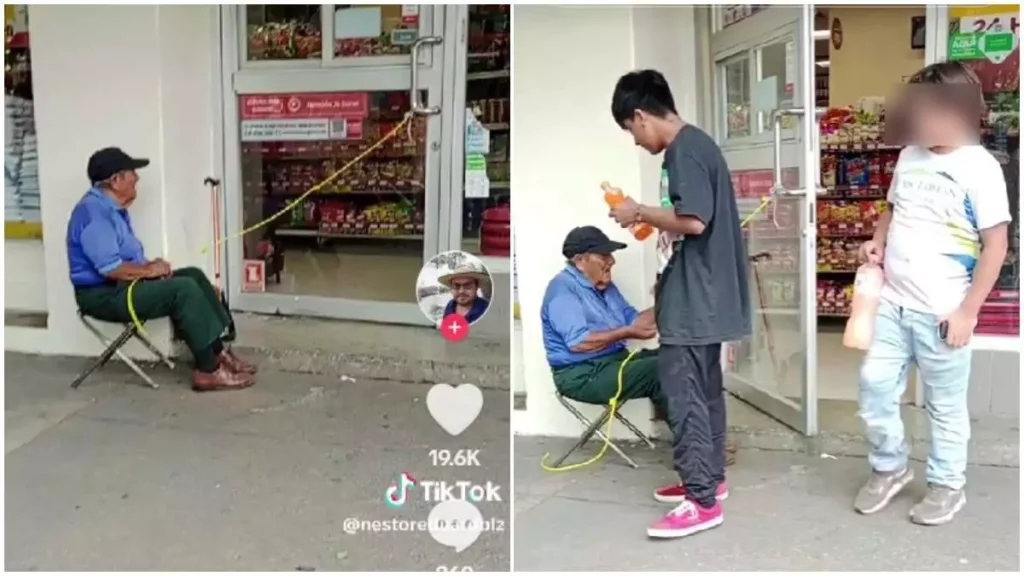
{"x":755,"y":260}
{"x":214,"y":185}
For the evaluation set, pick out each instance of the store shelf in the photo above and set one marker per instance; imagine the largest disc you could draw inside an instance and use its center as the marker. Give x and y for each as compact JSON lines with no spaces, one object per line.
{"x":489,"y":75}
{"x":479,"y":55}
{"x":845,"y":234}
{"x":498,"y":126}
{"x":859,"y":147}
{"x":298,"y":232}
{"x":335,"y":194}
{"x":873,"y":192}
{"x":501,"y":185}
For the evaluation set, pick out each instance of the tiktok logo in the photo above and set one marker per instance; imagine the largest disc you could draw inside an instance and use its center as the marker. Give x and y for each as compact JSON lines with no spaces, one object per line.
{"x":397,"y":494}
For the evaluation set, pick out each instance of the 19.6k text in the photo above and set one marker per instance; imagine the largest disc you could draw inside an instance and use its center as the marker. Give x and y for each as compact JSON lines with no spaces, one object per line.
{"x":462,"y":458}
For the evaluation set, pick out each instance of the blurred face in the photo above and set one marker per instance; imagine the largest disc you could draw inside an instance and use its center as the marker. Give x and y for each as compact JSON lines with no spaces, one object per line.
{"x":123,"y":185}
{"x":936,"y":123}
{"x":597,"y":268}
{"x":642,"y":128}
{"x":464,"y":291}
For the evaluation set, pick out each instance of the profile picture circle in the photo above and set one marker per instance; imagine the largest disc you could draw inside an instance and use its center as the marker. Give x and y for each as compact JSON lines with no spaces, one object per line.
{"x":454,"y":282}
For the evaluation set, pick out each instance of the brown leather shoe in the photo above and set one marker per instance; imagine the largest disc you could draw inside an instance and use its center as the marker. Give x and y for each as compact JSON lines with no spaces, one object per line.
{"x":220,"y":379}
{"x":236,"y":364}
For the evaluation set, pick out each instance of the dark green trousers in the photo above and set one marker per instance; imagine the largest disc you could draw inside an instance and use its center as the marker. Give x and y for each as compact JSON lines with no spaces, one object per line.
{"x":187,"y":297}
{"x":597,"y":381}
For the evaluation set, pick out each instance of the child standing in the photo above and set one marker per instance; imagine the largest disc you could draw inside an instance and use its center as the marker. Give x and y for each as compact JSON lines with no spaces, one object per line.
{"x":701,"y":299}
{"x":942,"y":244}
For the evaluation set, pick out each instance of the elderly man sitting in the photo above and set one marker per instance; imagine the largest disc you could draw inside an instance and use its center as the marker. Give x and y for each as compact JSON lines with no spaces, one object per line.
{"x":105,"y":257}
{"x":586,"y":322}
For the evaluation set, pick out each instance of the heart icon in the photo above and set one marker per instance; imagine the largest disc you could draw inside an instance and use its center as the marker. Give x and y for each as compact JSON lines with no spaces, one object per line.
{"x":454,"y":408}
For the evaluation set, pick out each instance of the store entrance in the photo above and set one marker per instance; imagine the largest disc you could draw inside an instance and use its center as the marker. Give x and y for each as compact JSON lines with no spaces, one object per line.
{"x":308,"y":90}
{"x":765,"y":121}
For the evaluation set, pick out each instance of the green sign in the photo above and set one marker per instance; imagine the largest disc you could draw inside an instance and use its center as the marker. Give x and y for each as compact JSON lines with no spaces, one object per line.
{"x":965,"y":46}
{"x":993,"y":46}
{"x":476,"y":163}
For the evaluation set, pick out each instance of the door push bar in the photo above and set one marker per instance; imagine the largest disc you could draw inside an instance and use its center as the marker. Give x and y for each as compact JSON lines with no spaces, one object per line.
{"x":415,"y":105}
{"x":778,"y":189}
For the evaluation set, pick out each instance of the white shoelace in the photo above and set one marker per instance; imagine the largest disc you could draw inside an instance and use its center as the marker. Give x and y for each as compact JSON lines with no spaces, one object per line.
{"x":685,"y":509}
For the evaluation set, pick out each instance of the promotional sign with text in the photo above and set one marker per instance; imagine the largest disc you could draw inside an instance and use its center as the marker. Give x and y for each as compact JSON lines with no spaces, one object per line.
{"x":303,"y":117}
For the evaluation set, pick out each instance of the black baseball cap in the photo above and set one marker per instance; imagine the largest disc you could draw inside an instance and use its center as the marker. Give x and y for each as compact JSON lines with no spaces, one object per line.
{"x":109,"y":161}
{"x":589,"y":239}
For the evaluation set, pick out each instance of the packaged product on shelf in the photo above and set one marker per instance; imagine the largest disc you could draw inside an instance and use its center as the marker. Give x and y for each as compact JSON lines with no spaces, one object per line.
{"x":837,"y":254}
{"x":284,"y":41}
{"x":855,"y":171}
{"x":834,"y":297}
{"x":829,"y":170}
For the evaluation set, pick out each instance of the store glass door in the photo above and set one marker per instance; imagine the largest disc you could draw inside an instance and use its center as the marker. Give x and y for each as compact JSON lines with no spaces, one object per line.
{"x":766,"y":124}
{"x":311,"y":92}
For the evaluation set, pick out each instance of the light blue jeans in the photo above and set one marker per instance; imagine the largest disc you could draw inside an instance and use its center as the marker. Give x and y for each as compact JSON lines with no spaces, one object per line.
{"x":903,"y":337}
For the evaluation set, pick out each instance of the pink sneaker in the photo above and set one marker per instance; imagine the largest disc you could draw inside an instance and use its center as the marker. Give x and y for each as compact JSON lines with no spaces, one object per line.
{"x":685,"y":519}
{"x":676,"y":493}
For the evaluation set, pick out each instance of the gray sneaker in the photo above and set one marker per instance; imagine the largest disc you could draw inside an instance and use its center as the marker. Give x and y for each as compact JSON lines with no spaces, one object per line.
{"x":939,"y":506}
{"x":880,"y":490}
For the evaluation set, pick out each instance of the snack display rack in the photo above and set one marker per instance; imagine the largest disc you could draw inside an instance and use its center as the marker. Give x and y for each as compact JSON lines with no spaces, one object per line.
{"x":488,"y":97}
{"x":380,"y":198}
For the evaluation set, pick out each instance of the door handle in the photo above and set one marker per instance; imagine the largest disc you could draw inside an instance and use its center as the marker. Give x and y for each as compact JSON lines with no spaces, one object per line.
{"x":778,"y":188}
{"x":415,"y":105}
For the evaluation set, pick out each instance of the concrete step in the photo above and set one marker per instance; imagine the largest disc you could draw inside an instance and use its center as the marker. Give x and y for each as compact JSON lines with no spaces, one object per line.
{"x":372,"y":351}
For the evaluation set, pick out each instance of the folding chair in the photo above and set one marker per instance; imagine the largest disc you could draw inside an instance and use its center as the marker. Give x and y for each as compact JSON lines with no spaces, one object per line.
{"x":594,"y":428}
{"x":114,"y":347}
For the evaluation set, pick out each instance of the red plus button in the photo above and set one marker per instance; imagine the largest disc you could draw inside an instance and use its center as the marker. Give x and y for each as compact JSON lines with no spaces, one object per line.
{"x":454,"y":328}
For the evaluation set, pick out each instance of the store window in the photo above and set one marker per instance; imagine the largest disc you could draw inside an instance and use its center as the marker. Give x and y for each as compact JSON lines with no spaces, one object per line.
{"x":366,"y":30}
{"x":776,"y":76}
{"x":487,"y":186}
{"x":359,"y":236}
{"x":735,"y":74}
{"x":22,"y":216}
{"x":283,"y":32}
{"x":987,"y":39}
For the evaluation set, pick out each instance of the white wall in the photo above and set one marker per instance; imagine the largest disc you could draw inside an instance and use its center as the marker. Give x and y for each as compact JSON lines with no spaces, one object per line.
{"x":24,"y":276}
{"x":138,"y":77}
{"x":567,"y":60}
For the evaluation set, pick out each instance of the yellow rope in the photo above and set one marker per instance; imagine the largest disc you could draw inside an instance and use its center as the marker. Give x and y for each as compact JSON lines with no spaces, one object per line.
{"x":614,"y":405}
{"x":288,"y":208}
{"x":614,"y":402}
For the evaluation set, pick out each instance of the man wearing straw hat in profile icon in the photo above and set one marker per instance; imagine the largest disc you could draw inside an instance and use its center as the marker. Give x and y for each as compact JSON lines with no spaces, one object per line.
{"x":466,"y":284}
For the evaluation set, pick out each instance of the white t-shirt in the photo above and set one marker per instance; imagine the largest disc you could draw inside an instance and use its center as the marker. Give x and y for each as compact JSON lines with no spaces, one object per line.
{"x":940,"y":202}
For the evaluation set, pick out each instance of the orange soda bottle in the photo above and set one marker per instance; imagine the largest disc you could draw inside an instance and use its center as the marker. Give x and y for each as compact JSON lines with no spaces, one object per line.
{"x":867,"y":288}
{"x":614,"y":197}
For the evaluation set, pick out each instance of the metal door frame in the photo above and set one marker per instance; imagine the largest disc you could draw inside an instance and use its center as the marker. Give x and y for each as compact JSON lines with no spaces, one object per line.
{"x":434,"y":77}
{"x":801,"y":148}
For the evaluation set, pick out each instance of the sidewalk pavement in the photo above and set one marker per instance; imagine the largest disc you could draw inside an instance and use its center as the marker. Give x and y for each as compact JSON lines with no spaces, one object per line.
{"x":115,"y":476}
{"x":787,"y":511}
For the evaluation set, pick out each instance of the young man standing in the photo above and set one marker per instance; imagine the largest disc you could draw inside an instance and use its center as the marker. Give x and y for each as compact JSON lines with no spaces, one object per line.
{"x":942,"y":243}
{"x":702,"y":297}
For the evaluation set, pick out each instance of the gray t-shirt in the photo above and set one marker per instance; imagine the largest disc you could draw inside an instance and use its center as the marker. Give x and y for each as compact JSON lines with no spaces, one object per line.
{"x":703,"y":295}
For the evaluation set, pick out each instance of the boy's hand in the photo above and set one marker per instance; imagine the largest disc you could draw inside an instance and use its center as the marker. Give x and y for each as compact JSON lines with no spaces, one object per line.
{"x":960,"y":327}
{"x":871,"y":252}
{"x":626,"y":212}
